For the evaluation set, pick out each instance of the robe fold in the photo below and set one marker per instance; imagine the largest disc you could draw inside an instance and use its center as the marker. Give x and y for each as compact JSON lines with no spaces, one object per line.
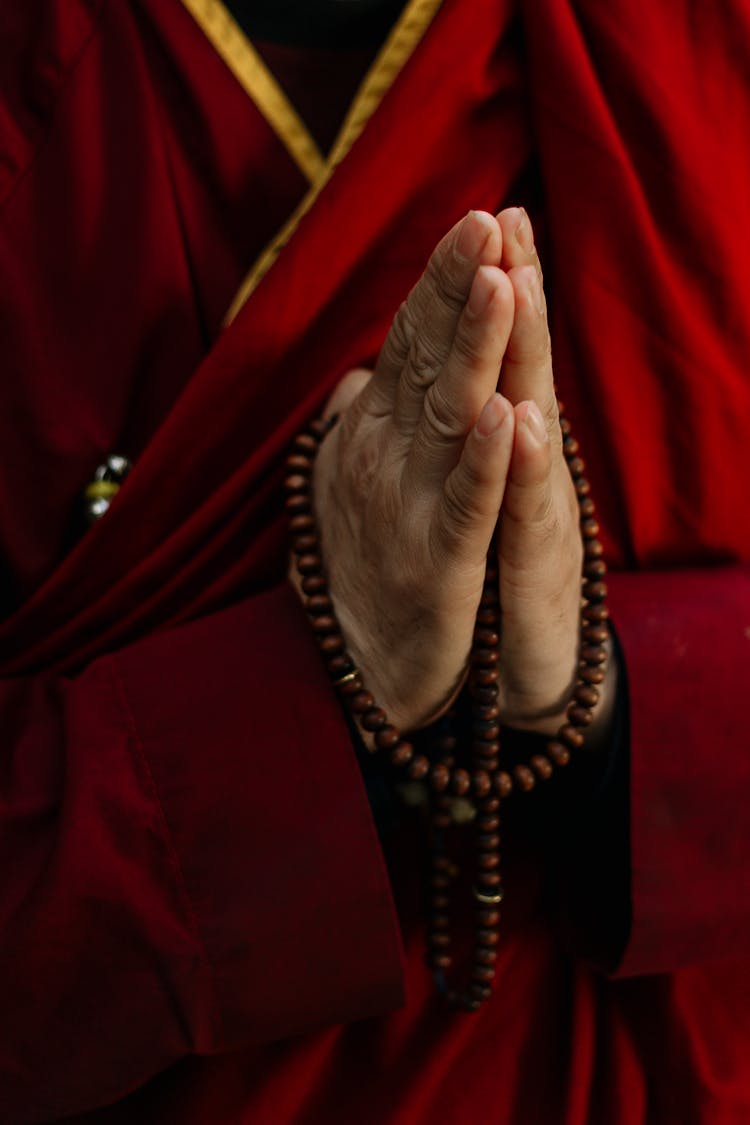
{"x":197,"y":923}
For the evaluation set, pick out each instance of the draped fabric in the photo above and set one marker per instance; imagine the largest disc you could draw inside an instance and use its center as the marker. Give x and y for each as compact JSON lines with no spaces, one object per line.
{"x":195,"y":906}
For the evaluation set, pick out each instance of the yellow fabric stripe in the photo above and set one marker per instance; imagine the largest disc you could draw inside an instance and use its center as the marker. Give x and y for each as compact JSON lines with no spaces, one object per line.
{"x":236,"y":50}
{"x":394,"y":54}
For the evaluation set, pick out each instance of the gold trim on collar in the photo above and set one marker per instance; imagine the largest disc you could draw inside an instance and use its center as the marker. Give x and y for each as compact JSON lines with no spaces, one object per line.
{"x":236,"y":50}
{"x":390,"y":60}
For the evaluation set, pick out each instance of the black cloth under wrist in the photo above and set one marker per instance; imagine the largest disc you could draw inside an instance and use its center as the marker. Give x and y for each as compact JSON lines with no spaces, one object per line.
{"x":317,"y":23}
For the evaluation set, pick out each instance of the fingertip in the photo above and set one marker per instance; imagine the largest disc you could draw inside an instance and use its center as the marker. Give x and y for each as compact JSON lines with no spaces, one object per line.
{"x":527,"y":289}
{"x":497,"y":414}
{"x":531,"y":424}
{"x":478,"y":238}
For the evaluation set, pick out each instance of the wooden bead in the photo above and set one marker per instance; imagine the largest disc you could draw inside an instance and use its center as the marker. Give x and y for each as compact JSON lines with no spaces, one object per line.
{"x":306,"y":444}
{"x":582,"y":487}
{"x":595,"y":613}
{"x":374,"y":719}
{"x":387,"y":737}
{"x":296,"y":482}
{"x":570,"y":446}
{"x":339,"y":666}
{"x":439,"y":960}
{"x":487,"y":735}
{"x":558,"y":753}
{"x":485,"y":694}
{"x":299,"y":463}
{"x":595,"y":591}
{"x":595,"y":569}
{"x":488,"y":916}
{"x":480,"y":991}
{"x":485,"y":956}
{"x":442,"y":820}
{"x":486,"y":712}
{"x":325,"y":624}
{"x":486,"y":638}
{"x":319,"y":427}
{"x":490,"y":597}
{"x":439,"y":940}
{"x":488,"y":823}
{"x":305,"y":544}
{"x":590,"y":528}
{"x":595,"y":634}
{"x":486,"y":677}
{"x":332,"y":645}
{"x":542,"y":767}
{"x":488,"y":841}
{"x":401,"y":755}
{"x":570,"y":736}
{"x":592,"y":549}
{"x":296,"y":504}
{"x":488,"y":881}
{"x":362,"y":702}
{"x":564,"y":423}
{"x":524,"y":778}
{"x":351,"y":687}
{"x":318,"y":604}
{"x":440,"y":882}
{"x":487,"y":617}
{"x":586,"y":695}
{"x":586,"y":507}
{"x":488,"y":937}
{"x":440,"y":921}
{"x":314,"y":585}
{"x":419,"y":767}
{"x":502,"y":783}
{"x":310,"y":564}
{"x":302,"y":525}
{"x":488,"y":861}
{"x":576,"y":466}
{"x":591,"y":675}
{"x":460,"y":782}
{"x":579,"y":716}
{"x":593,"y":654}
{"x":488,"y":806}
{"x":440,"y":777}
{"x":440,"y":902}
{"x":481,"y":783}
{"x":484,"y":657}
{"x":483,"y":973}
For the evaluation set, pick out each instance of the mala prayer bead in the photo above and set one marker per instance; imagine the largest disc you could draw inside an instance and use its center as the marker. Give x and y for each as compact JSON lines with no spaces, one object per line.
{"x":459,"y":792}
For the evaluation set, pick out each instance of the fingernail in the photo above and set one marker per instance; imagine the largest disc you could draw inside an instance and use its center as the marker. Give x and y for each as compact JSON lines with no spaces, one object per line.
{"x":492,"y":417}
{"x":534,"y":289}
{"x":534,"y":423}
{"x":480,"y":293}
{"x":472,"y":236}
{"x":523,"y":232}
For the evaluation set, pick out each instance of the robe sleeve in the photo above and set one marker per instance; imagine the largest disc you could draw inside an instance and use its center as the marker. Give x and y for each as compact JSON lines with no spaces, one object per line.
{"x":189,"y":860}
{"x":668,"y":884}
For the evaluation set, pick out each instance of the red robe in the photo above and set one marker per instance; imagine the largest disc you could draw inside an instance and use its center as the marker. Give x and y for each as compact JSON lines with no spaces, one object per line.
{"x":194,"y":906}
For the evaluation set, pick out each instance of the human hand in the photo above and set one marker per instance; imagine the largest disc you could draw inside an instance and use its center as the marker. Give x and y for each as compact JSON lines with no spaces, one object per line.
{"x":539,"y":543}
{"x":408,"y":485}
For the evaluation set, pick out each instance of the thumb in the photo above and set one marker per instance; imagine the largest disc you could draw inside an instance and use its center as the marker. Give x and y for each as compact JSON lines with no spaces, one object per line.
{"x":347,"y":390}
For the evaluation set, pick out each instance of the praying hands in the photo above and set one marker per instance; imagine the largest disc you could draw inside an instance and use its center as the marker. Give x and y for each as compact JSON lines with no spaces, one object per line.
{"x":429,"y":462}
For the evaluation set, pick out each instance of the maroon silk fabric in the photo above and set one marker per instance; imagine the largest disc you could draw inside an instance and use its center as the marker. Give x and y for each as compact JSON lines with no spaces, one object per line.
{"x":192,"y":883}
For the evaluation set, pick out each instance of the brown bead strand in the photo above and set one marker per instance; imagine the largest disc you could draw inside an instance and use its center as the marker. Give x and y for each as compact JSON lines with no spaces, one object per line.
{"x":486,"y":783}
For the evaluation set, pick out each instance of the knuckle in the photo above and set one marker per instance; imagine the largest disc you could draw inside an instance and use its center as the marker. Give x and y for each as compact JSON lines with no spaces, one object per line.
{"x":446,"y":284}
{"x":442,"y":417}
{"x":424,"y":362}
{"x":466,"y":346}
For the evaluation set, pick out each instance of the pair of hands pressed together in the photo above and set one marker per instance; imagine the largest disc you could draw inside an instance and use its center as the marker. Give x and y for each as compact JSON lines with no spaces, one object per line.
{"x":426,"y":459}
